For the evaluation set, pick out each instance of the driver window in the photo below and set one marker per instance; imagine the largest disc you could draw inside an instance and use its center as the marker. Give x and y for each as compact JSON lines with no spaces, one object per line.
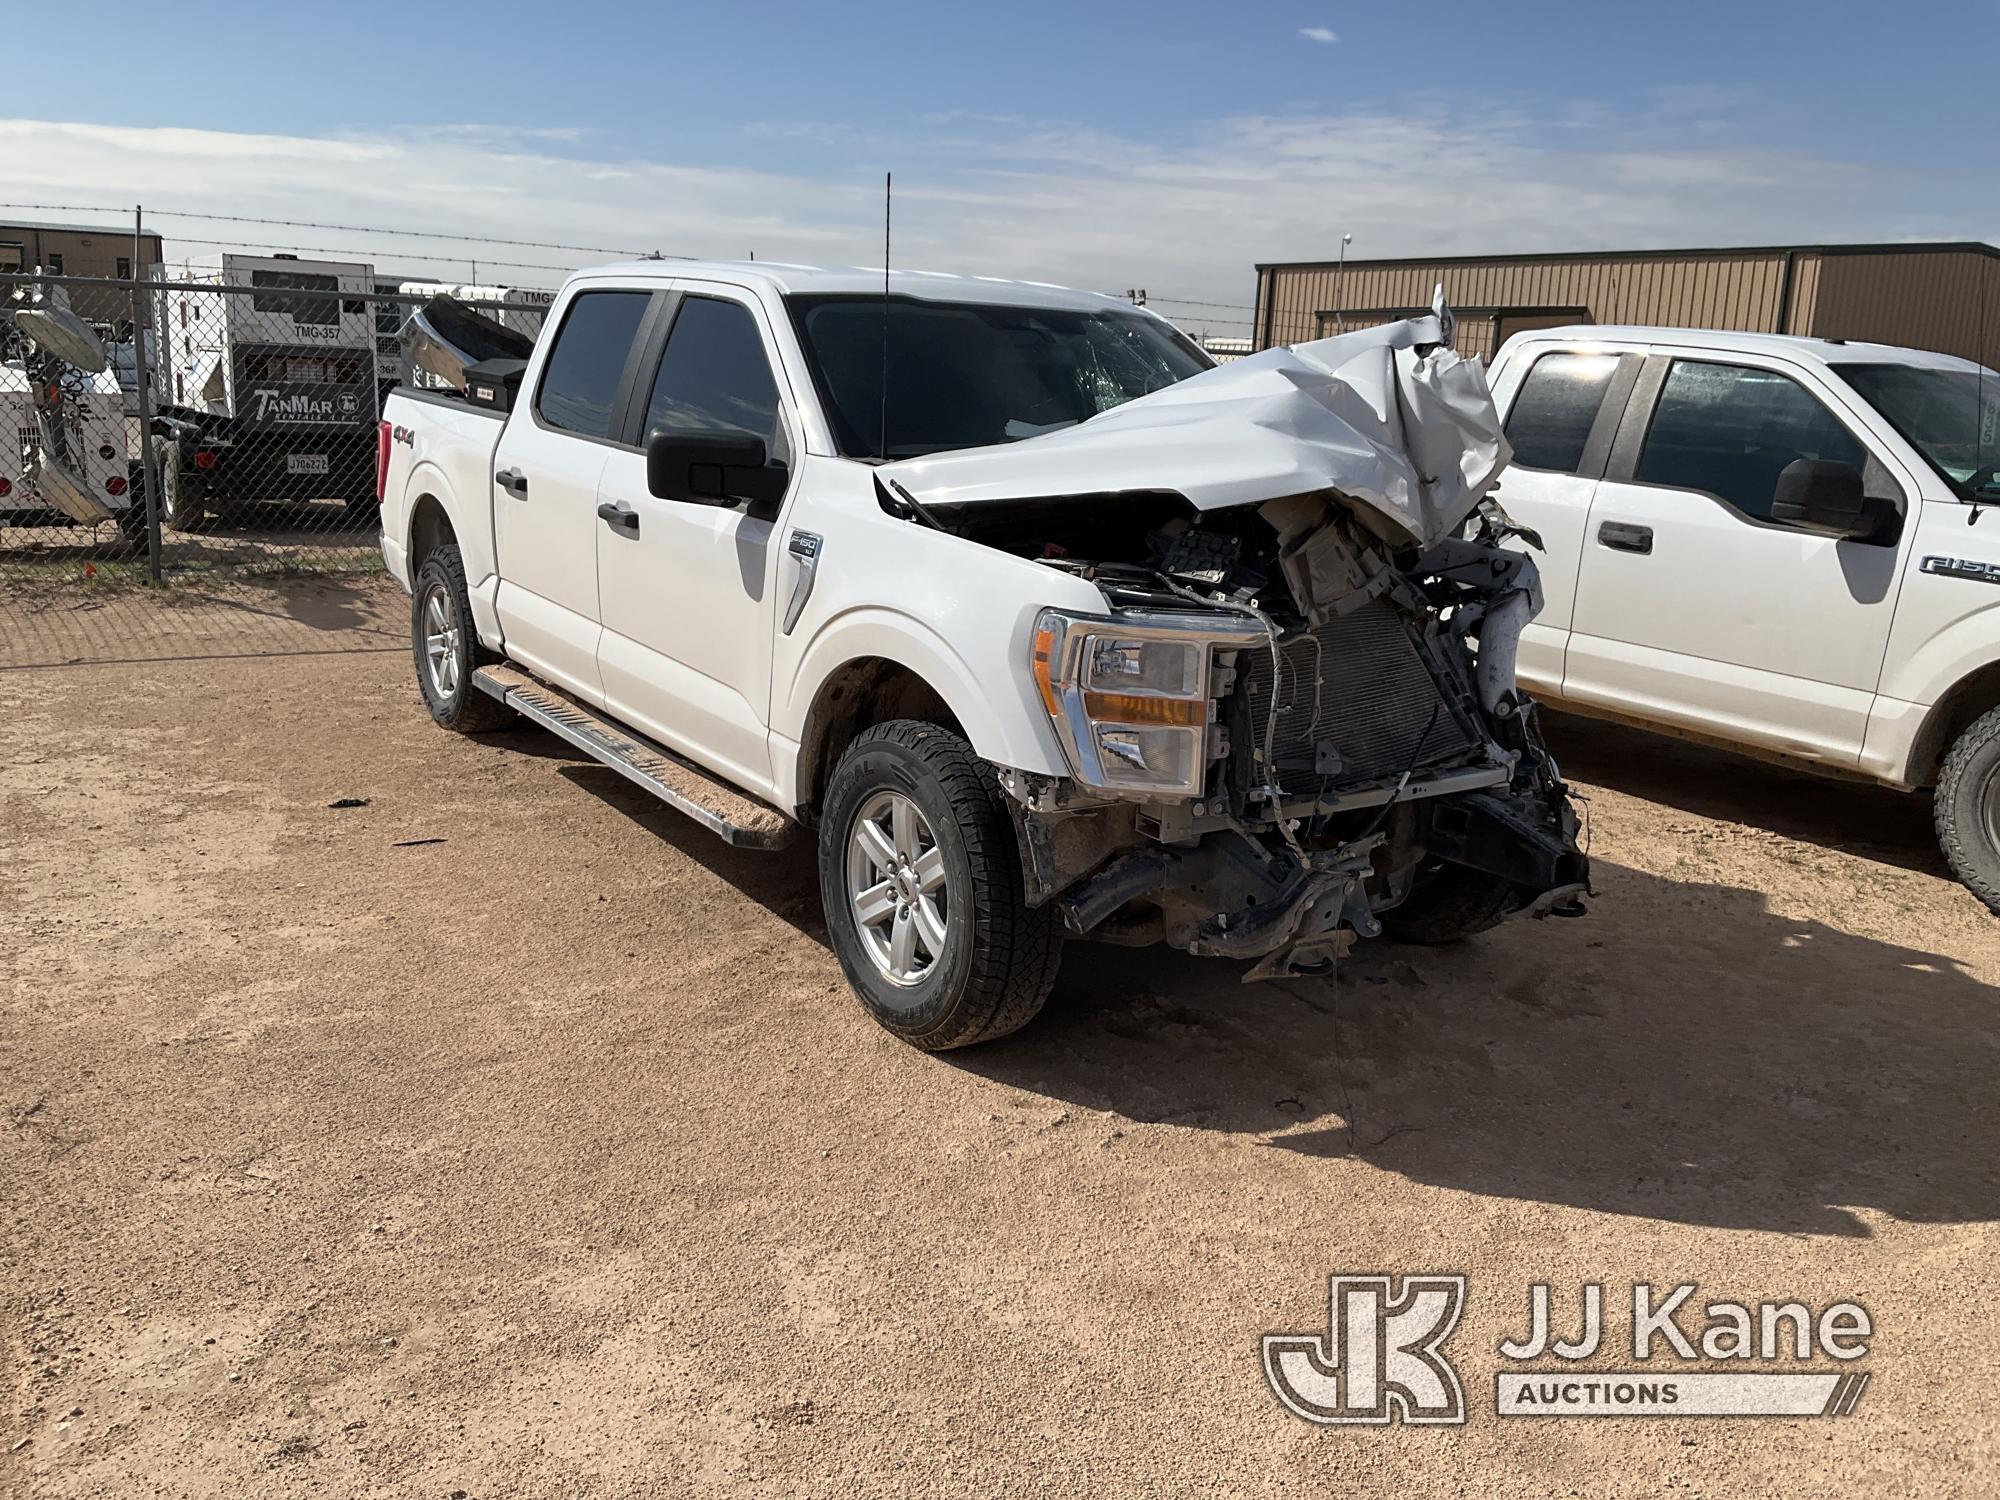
{"x":714,"y":377}
{"x":1729,"y":430}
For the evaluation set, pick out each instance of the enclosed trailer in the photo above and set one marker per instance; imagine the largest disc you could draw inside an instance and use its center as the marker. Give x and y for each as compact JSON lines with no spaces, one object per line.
{"x":271,"y":391}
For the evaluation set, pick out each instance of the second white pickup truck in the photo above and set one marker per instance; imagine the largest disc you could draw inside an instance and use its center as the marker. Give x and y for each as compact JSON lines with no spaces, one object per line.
{"x":1773,"y":544}
{"x":1044,"y":626}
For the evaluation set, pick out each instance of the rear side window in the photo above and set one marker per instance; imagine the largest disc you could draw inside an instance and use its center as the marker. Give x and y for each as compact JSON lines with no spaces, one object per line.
{"x":713,"y":376}
{"x":1555,"y":408}
{"x":580,"y":386}
{"x":1730,"y":430}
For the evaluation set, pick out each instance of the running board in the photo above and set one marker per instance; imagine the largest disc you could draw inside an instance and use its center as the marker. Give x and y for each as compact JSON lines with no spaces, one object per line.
{"x":736,"y":817}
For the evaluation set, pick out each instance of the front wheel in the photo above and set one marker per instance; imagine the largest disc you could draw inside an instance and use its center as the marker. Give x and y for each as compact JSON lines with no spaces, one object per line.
{"x":1966,"y":808}
{"x":921,"y":878}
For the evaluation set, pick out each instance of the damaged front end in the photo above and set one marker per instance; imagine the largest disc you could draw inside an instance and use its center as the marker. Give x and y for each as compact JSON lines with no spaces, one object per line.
{"x":1295,"y":721}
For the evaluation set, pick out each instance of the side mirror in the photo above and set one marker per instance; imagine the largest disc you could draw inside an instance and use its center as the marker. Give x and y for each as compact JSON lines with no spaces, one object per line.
{"x":714,"y":468}
{"x":1824,"y":497}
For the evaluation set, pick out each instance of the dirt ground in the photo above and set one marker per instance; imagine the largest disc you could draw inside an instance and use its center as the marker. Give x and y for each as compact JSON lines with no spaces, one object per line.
{"x":509,"y":1135}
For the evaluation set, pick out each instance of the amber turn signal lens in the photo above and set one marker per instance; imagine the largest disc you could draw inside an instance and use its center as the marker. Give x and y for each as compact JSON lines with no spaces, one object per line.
{"x":1045,"y":646}
{"x":1131,"y":708}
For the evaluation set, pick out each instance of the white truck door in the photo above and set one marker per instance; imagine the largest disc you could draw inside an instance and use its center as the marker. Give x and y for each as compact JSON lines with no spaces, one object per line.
{"x":1693,"y":607}
{"x":546,"y":472}
{"x":1562,"y":407}
{"x":689,"y":614}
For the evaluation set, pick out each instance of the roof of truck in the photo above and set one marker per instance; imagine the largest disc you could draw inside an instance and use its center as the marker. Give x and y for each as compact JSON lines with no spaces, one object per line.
{"x":786,"y":278}
{"x":1783,"y":345}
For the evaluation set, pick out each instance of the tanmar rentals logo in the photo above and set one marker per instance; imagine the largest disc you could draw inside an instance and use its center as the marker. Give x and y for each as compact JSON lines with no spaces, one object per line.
{"x":1382,"y":1357}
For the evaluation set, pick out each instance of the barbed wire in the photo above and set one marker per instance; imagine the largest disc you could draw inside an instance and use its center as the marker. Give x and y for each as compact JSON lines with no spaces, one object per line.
{"x":1245,"y":312}
{"x":512,"y":265}
{"x":417,"y":234}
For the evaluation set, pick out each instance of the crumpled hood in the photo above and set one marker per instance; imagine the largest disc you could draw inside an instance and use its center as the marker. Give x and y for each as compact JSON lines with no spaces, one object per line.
{"x":1415,"y":437}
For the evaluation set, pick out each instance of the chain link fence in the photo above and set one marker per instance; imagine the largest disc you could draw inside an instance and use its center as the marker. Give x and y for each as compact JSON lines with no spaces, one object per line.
{"x":188,"y":458}
{"x":188,"y":455}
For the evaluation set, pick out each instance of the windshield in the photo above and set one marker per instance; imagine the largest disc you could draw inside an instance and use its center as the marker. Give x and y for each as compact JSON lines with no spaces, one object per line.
{"x":1951,"y":416}
{"x":964,"y":375}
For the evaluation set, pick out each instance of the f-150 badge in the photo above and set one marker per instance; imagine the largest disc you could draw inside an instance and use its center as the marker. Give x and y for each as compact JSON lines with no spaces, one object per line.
{"x":1963,"y":567}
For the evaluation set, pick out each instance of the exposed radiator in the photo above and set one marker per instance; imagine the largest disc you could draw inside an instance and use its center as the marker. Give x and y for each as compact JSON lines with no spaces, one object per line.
{"x":1355,"y":704}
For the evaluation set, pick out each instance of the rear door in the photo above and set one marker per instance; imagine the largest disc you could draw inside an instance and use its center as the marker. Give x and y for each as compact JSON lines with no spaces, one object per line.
{"x":547,"y":467}
{"x":1693,"y":606}
{"x":1562,"y":411}
{"x":689,"y":616}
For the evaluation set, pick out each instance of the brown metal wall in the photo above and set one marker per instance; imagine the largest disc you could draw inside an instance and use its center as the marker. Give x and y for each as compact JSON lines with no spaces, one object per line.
{"x":1947,"y":300}
{"x":84,"y":252}
{"x":1926,"y":300}
{"x":1725,"y":289}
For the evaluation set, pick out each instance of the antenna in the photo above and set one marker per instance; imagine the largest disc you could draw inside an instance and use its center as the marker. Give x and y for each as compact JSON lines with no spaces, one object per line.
{"x":888,"y":185}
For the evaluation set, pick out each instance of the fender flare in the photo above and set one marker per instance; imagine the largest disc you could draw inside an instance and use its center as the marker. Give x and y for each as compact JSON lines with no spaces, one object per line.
{"x":1022,"y":740}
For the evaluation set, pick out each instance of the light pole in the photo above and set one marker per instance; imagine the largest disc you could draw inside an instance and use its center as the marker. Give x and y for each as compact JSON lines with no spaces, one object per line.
{"x":1340,"y":287}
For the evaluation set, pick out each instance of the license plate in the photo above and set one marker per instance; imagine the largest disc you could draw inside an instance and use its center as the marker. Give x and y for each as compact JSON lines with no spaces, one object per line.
{"x":305,"y":463}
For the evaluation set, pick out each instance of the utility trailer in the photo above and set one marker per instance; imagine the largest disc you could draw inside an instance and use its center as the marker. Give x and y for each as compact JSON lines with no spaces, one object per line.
{"x":271,"y":392}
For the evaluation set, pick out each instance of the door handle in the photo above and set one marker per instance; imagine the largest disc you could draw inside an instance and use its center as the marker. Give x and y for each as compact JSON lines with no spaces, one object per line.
{"x":514,"y":482}
{"x":1621,"y":537}
{"x":619,"y":517}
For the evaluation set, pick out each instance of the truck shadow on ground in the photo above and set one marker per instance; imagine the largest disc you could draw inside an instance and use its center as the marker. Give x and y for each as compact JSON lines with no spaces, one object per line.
{"x":1685,"y":1053}
{"x":1869,"y":821}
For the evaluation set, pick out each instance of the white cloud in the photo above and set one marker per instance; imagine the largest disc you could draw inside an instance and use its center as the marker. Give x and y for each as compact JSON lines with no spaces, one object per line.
{"x":1318,"y":34}
{"x":1185,"y":215}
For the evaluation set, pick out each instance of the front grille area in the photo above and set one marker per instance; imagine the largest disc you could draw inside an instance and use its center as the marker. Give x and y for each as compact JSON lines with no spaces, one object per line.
{"x":1356,"y":704}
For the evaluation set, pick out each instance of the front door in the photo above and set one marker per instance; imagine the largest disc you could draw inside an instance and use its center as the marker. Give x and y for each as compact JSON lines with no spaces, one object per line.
{"x":547,"y":468}
{"x":1695,"y":607}
{"x":1560,"y":416}
{"x":688,"y":613}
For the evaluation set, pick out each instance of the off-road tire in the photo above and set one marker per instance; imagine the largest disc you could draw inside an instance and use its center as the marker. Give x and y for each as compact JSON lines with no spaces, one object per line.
{"x":465,"y":709}
{"x":1000,"y":954}
{"x":1966,"y":808}
{"x":1448,"y":904}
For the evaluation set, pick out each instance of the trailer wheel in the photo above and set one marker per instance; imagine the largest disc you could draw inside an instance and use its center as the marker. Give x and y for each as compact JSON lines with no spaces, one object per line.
{"x":183,"y":504}
{"x":132,"y":519}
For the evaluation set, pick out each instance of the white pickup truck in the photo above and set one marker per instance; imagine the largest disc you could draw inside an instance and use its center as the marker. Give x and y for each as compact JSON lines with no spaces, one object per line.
{"x":1042,"y":624}
{"x":1772,"y":544}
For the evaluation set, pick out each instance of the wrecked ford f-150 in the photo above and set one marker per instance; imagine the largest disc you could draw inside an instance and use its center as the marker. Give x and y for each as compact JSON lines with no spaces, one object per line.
{"x":1042,"y":624}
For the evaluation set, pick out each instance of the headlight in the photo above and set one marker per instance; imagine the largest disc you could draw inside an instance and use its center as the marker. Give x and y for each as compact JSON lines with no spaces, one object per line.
{"x":1129,"y":696}
{"x":1169,"y":667}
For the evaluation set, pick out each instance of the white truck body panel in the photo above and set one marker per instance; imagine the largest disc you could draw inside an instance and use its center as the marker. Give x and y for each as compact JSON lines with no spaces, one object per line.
{"x":1760,"y":635}
{"x":676,"y":632}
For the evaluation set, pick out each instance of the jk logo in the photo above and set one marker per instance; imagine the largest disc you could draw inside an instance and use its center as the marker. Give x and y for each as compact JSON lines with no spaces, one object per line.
{"x":1380,"y":1356}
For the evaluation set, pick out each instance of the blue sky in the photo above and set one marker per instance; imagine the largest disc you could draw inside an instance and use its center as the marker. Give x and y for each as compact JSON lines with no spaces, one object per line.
{"x":1169,"y":145}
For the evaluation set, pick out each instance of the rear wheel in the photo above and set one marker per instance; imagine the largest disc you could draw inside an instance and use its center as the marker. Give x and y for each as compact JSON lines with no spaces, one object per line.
{"x":921,"y":878}
{"x":446,"y":647}
{"x":1966,"y":808}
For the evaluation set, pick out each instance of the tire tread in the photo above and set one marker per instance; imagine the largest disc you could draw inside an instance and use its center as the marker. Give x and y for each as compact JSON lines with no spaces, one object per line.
{"x":1958,"y":831}
{"x":1014,"y":966}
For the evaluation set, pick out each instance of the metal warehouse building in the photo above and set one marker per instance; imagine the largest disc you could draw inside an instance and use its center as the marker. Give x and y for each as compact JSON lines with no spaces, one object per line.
{"x":1930,"y":296}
